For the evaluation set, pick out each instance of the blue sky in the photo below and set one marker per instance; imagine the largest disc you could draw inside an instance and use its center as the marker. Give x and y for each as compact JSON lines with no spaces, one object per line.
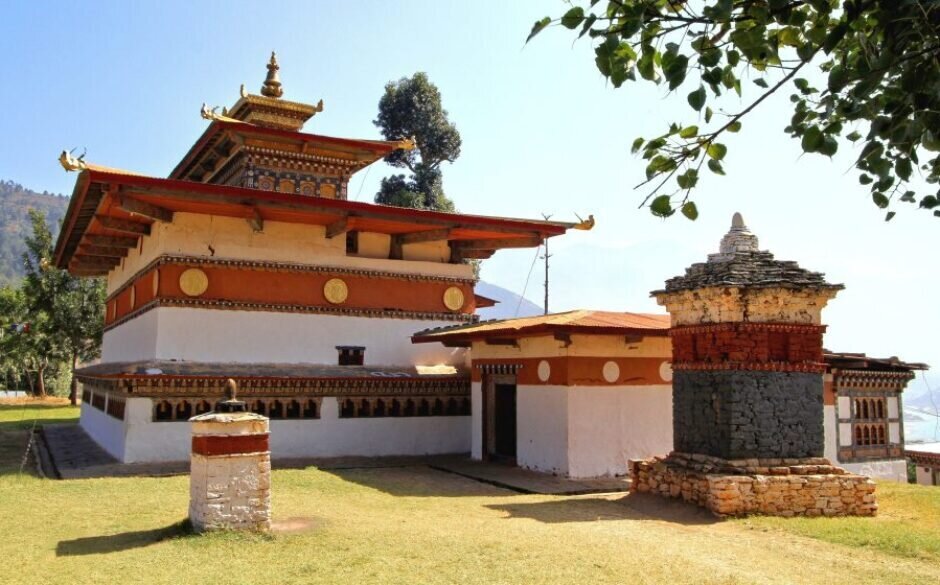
{"x":542,"y":133}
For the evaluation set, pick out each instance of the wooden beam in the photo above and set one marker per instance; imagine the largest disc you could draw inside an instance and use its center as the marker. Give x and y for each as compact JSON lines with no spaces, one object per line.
{"x":501,"y":341}
{"x":425,"y":236}
{"x":123,"y":225}
{"x":113,"y":241}
{"x":395,"y":251}
{"x":79,"y":262}
{"x":475,"y":254}
{"x":90,"y":272}
{"x":496,"y":243}
{"x":142,"y":208}
{"x":102,"y":251}
{"x":256,"y":221}
{"x":338,"y":227}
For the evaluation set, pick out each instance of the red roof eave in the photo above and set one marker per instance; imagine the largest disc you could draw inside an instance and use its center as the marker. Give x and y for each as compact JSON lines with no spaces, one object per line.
{"x":541,"y":329}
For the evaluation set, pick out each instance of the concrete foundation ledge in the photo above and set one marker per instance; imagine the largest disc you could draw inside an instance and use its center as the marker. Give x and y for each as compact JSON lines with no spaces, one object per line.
{"x":810,"y":487}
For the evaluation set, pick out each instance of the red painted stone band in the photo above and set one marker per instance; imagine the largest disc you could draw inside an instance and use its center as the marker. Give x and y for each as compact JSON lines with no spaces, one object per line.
{"x":818,"y":368}
{"x":747,"y":342}
{"x":213,"y":445}
{"x":742,"y":326}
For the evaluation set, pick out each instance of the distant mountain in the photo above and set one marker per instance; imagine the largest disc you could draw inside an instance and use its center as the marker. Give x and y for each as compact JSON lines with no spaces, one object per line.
{"x":509,"y":304}
{"x":15,"y":203}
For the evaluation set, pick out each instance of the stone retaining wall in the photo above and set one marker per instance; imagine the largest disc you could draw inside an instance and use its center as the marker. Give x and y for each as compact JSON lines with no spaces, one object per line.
{"x":778,"y":487}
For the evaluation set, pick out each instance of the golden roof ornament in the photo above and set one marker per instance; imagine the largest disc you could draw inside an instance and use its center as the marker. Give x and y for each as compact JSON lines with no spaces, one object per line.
{"x":71,"y":163}
{"x":272,"y":83}
{"x":212,"y":114}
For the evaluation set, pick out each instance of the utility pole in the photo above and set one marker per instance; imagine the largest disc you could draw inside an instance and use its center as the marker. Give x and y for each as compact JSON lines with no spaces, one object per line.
{"x":546,"y":256}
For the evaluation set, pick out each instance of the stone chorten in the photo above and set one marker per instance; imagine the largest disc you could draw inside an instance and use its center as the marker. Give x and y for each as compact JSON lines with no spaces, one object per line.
{"x":748,"y":389}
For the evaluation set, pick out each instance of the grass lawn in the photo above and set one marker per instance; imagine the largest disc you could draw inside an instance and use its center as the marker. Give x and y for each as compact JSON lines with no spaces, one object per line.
{"x":415,"y":525}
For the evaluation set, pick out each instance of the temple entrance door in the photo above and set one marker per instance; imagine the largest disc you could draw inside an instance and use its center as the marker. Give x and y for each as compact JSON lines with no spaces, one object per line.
{"x":504,"y":414}
{"x":499,"y":418}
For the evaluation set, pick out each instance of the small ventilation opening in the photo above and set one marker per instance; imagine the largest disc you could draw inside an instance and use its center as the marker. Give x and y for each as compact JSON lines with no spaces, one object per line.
{"x":351,"y":355}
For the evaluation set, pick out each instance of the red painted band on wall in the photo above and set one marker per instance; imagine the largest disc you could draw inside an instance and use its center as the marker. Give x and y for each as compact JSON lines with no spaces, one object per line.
{"x":211,"y":445}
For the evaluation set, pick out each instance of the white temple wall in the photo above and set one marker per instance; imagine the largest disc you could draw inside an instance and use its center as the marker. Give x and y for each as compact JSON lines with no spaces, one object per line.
{"x":211,"y":335}
{"x":106,"y":430}
{"x":887,"y":469}
{"x":542,"y":428}
{"x":925,"y":475}
{"x":608,"y":425}
{"x":227,"y":237}
{"x":132,"y":340}
{"x":476,"y":420}
{"x":830,"y":433}
{"x":329,"y":436}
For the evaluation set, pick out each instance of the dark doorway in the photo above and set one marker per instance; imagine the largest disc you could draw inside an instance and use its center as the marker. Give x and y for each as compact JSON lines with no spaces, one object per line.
{"x":504,"y":421}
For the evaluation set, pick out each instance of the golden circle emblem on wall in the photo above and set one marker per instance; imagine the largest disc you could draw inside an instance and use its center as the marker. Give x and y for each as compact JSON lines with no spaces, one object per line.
{"x":335,"y":291}
{"x":193,"y":282}
{"x":453,"y":298}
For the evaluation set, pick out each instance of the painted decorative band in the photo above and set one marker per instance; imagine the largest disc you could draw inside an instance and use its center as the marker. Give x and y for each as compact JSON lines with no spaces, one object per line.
{"x":200,"y":261}
{"x":744,"y":326}
{"x":499,"y":368}
{"x":812,"y":367}
{"x":275,"y":308}
{"x":215,"y":445}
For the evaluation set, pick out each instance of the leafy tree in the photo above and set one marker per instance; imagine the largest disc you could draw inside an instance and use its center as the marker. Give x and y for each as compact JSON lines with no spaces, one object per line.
{"x":65,"y":313}
{"x":411,"y":108}
{"x":15,"y":352}
{"x":880,"y":60}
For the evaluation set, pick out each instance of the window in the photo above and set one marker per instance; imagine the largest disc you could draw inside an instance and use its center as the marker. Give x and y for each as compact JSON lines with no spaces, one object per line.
{"x":351,"y":355}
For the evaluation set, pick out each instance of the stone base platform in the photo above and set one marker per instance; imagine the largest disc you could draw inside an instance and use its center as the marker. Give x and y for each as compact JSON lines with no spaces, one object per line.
{"x":775,"y":487}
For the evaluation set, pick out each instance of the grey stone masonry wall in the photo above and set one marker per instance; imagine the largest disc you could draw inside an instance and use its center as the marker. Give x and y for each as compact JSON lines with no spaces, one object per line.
{"x":746,"y":414}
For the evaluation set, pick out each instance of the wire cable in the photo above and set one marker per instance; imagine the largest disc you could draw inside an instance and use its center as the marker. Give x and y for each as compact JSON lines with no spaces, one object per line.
{"x":526,"y":286}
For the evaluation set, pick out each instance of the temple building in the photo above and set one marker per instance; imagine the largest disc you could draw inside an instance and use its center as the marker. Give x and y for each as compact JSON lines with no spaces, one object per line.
{"x":249,"y":262}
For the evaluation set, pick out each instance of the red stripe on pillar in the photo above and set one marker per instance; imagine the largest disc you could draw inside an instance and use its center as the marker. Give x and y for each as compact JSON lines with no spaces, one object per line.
{"x":229,"y":444}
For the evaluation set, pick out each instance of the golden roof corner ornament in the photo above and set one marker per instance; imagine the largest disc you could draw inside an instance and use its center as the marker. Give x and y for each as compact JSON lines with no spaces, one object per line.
{"x":242,"y":91}
{"x":272,"y":83}
{"x":319,"y":107}
{"x":212,"y":114}
{"x":407,"y":143}
{"x":71,"y":163}
{"x":584,"y":224}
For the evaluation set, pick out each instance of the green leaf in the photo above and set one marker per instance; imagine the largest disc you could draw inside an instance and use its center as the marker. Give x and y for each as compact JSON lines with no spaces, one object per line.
{"x":880,"y":199}
{"x":715,"y":167}
{"x":760,"y":82}
{"x":538,"y":27}
{"x":688,"y":179}
{"x":717,"y":151}
{"x":812,"y":139}
{"x":661,"y":206}
{"x":889,"y":216}
{"x":829,"y":146}
{"x":708,"y":115}
{"x":690,"y":210}
{"x":789,"y":36}
{"x":689,"y":132}
{"x":636,"y":145}
{"x":573,"y":18}
{"x":734,"y":127}
{"x":697,"y":99}
{"x":854,"y":136}
{"x":865,"y":179}
{"x":902,"y":167}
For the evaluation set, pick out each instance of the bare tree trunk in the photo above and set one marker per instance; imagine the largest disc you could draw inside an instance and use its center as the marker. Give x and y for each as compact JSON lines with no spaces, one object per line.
{"x":73,"y":387}
{"x":29,"y":380}
{"x":41,"y":382}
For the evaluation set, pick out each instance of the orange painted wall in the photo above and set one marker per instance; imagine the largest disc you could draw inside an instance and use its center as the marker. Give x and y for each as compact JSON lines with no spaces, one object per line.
{"x":581,"y":371}
{"x":302,"y":289}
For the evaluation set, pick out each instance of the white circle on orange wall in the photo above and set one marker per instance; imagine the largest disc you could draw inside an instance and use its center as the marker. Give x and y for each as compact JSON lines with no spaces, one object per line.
{"x":665,"y":371}
{"x":544,"y":371}
{"x":611,"y":372}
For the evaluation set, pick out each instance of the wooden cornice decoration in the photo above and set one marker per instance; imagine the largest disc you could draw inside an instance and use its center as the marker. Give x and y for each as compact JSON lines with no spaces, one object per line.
{"x":424,"y":236}
{"x":338,"y":227}
{"x":489,"y":244}
{"x":123,"y":225}
{"x":94,"y":262}
{"x":103,"y":251}
{"x":138,"y":207}
{"x":112,"y":241}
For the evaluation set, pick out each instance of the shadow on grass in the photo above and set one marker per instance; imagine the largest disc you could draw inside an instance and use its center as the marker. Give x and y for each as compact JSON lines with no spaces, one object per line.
{"x":630,"y":507}
{"x":416,"y":481}
{"x":99,"y":545}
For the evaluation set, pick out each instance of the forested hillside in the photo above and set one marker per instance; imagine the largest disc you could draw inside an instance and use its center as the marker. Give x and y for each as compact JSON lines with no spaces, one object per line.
{"x":15,"y":202}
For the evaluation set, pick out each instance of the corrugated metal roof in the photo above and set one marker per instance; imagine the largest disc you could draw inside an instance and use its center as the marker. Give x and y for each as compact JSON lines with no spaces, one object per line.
{"x":582,"y":321}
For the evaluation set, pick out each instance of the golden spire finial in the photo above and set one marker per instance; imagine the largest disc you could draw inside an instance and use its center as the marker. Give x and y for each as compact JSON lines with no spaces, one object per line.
{"x":272,"y":83}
